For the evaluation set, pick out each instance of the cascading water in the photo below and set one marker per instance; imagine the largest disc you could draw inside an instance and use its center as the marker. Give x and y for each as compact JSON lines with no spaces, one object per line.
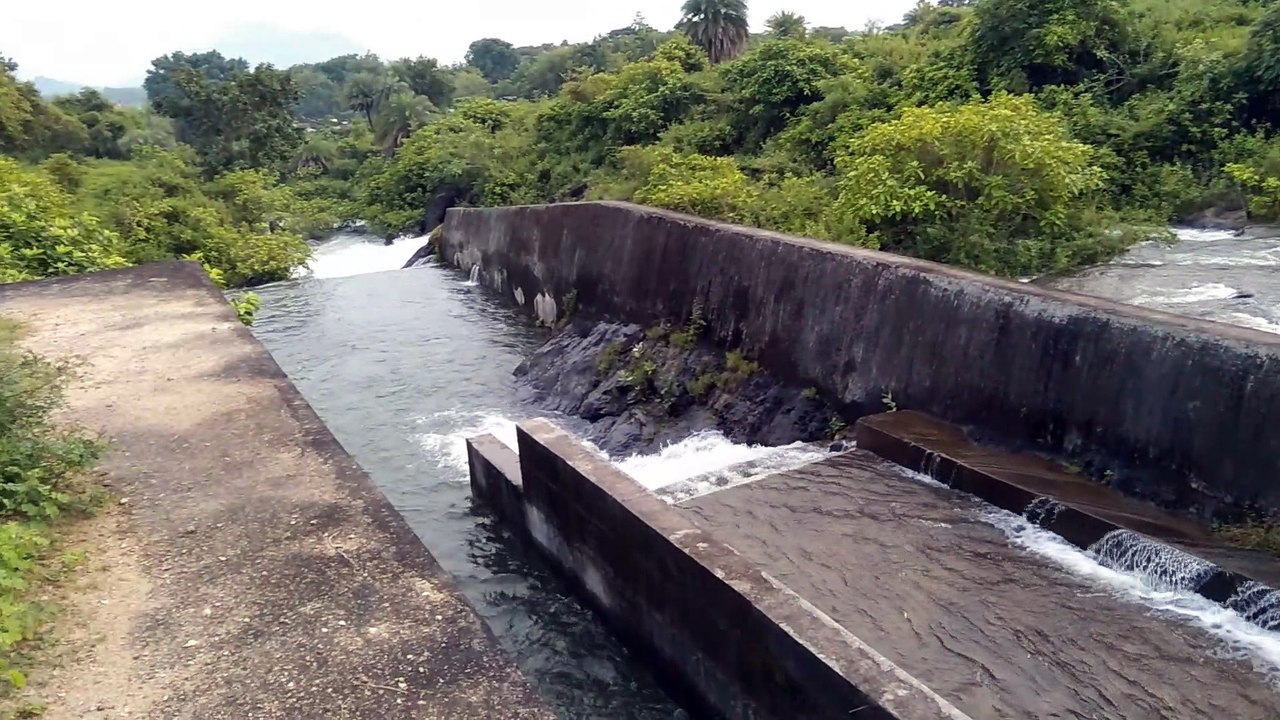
{"x":350,"y":254}
{"x":1043,"y":511}
{"x":1258,"y":604}
{"x":474,"y":279}
{"x":1162,"y":566}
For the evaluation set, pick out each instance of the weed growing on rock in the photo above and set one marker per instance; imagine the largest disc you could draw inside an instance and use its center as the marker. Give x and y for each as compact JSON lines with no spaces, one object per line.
{"x":1253,"y":535}
{"x":246,"y":306}
{"x":608,"y":359}
{"x":687,"y":338}
{"x":890,"y":405}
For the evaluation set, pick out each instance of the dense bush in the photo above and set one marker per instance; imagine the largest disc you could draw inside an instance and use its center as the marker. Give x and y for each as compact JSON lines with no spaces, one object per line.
{"x":998,"y":185}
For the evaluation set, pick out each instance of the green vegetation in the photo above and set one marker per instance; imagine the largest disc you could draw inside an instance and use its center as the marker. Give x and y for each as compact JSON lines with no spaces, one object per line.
{"x":1252,"y":535}
{"x":42,"y":481}
{"x":1015,"y":137}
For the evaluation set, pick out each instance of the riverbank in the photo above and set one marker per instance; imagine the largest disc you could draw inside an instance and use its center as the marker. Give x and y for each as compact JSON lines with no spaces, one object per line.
{"x":252,"y":570}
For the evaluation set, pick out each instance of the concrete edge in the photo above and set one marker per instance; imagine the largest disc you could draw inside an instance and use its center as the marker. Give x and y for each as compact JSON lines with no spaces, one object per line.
{"x":1028,"y":291}
{"x":1077,"y":526}
{"x":736,"y":641}
{"x":495,"y":479}
{"x":351,"y":478}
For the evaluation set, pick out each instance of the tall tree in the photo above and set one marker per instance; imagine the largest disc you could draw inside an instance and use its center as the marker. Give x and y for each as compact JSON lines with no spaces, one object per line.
{"x":786,"y":25}
{"x":161,"y":85}
{"x":398,"y":117}
{"x":718,"y":26}
{"x":245,"y":122}
{"x":425,"y":77}
{"x":363,"y":92}
{"x":495,"y":59}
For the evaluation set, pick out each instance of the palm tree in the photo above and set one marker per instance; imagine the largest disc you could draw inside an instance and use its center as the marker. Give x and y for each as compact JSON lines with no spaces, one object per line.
{"x":319,"y":151}
{"x":363,"y":92}
{"x":718,"y":26}
{"x":399,"y":116}
{"x":787,"y":25}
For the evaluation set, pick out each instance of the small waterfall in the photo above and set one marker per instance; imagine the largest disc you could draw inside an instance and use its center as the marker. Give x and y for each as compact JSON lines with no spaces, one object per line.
{"x":1042,"y":511}
{"x":1164,"y":567}
{"x":475,"y":275}
{"x":929,"y":466}
{"x":1258,"y":604}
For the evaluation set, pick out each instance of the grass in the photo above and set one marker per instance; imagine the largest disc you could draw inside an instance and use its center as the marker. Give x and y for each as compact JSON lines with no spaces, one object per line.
{"x":44,"y":482}
{"x":1253,"y":535}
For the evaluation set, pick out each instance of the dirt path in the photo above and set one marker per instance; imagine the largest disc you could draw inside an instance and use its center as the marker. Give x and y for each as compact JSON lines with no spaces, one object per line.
{"x":252,"y":571}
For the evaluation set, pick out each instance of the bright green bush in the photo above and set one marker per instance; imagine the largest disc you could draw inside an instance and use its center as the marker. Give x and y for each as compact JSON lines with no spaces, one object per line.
{"x":41,"y":233}
{"x":711,"y":187}
{"x":997,"y":186}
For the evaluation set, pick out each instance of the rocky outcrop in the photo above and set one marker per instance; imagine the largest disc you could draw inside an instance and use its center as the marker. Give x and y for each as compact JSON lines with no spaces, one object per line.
{"x":641,"y":389}
{"x":427,"y":251}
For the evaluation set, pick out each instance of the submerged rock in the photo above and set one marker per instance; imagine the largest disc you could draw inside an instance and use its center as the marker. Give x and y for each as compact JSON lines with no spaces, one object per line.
{"x":641,"y":389}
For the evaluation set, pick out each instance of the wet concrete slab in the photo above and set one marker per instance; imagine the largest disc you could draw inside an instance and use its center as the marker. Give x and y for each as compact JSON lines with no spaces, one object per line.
{"x":1000,"y":632}
{"x":277,"y":581}
{"x":1084,"y":510}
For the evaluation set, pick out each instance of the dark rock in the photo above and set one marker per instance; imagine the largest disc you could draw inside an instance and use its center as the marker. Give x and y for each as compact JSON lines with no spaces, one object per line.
{"x":445,"y":197}
{"x":1218,"y":218}
{"x":425,"y":252}
{"x":635,"y":391}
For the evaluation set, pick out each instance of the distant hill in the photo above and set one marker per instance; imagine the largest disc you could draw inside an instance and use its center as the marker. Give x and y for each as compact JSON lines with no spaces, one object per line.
{"x":128,"y":96}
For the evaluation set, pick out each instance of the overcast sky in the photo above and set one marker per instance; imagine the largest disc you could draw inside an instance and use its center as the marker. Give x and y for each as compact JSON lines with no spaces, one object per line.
{"x":112,"y":42}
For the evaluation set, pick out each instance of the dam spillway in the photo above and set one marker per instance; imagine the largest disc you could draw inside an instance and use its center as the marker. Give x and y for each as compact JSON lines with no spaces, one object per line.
{"x":1167,"y":412}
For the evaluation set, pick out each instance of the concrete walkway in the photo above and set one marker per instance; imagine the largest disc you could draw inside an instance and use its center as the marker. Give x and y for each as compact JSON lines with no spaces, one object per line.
{"x":256,"y":571}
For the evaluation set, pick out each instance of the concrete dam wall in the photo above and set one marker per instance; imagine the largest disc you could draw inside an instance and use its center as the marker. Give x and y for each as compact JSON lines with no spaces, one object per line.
{"x":1175,"y":409}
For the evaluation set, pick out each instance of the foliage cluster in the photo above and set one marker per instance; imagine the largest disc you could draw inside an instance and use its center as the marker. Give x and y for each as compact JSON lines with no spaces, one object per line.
{"x":1010,"y":136}
{"x":42,"y":466}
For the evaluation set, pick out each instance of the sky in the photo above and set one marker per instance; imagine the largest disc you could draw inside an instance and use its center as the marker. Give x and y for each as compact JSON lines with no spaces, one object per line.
{"x":112,"y":42}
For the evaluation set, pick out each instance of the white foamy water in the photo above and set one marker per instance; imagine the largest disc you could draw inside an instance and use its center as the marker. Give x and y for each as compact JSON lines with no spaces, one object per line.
{"x":348,"y":255}
{"x":707,"y":453}
{"x":1195,"y":293}
{"x":701,"y":454}
{"x":1252,"y":321}
{"x":1241,"y":638}
{"x":449,"y":448}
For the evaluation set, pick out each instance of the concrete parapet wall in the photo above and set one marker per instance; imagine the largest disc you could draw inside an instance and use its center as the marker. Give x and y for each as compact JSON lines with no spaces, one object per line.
{"x":739,"y":641}
{"x":1184,"y":410}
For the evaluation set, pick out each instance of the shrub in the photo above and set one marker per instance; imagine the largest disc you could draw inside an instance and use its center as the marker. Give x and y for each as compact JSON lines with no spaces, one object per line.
{"x":997,"y":186}
{"x":711,"y":187}
{"x":42,"y":235}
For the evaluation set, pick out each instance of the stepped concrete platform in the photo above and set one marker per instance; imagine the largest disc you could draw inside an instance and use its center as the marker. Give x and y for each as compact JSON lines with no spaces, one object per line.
{"x":1070,"y":504}
{"x":257,"y":572}
{"x":913,"y":570}
{"x":853,"y":587}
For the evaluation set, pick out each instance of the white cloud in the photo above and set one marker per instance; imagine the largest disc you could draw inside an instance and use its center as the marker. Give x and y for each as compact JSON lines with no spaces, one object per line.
{"x":112,"y":43}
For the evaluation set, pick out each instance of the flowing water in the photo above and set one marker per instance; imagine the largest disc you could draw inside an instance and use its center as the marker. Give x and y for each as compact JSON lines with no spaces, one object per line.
{"x":1212,"y":274}
{"x":403,"y":365}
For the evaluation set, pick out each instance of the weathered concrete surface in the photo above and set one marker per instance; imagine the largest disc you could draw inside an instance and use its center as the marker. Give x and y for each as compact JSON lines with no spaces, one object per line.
{"x":914,"y":570}
{"x":1184,"y":410}
{"x":1079,"y":510}
{"x":733,"y":640}
{"x":276,"y":581}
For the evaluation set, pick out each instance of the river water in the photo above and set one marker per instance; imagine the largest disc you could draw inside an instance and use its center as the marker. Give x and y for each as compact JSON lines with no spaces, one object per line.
{"x":1216,"y":275}
{"x":403,"y":365}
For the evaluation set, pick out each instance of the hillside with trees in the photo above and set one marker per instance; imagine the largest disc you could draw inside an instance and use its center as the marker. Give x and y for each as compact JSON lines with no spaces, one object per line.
{"x":1014,"y":137}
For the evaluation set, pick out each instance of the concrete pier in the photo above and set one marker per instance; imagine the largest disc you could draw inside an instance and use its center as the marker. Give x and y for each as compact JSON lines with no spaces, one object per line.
{"x":256,"y":571}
